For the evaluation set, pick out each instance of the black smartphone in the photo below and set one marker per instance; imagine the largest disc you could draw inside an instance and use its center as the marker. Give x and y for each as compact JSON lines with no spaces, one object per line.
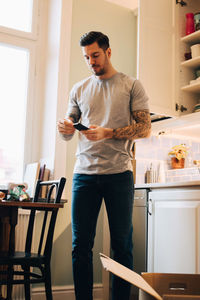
{"x":80,"y":126}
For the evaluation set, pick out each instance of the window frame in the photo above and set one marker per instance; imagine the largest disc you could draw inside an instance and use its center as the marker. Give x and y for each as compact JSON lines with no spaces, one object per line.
{"x":33,"y":35}
{"x":30,"y":42}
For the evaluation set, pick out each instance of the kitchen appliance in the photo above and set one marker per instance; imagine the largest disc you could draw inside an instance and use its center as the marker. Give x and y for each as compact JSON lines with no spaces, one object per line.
{"x":157,"y":117}
{"x":140,"y":230}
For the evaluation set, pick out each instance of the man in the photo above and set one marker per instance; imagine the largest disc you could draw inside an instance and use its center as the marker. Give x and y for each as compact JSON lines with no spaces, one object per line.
{"x":114,"y":107}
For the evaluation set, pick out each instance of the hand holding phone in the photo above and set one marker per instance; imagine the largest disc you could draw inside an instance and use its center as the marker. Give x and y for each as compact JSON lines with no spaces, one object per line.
{"x":80,"y":126}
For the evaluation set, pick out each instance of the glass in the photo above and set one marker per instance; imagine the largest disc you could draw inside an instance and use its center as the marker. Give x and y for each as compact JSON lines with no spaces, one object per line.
{"x":16,"y":14}
{"x":14,"y":64}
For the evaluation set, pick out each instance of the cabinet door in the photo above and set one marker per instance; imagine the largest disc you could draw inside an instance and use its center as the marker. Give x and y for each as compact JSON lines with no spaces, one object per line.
{"x":174,"y":237}
{"x":156,"y":53}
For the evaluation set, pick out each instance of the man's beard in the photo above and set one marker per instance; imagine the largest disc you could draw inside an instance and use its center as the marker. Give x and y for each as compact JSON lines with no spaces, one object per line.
{"x":99,"y":72}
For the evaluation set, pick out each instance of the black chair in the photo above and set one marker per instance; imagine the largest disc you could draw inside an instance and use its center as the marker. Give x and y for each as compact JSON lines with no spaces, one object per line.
{"x":35,"y":267}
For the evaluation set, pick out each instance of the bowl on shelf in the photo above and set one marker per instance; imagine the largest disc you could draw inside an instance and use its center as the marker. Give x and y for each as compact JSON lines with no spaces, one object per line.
{"x":197,"y":73}
{"x":195,"y":50}
{"x":196,"y":107}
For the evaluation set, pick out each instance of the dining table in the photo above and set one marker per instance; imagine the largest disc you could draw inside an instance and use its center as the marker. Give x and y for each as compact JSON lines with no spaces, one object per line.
{"x":9,"y":216}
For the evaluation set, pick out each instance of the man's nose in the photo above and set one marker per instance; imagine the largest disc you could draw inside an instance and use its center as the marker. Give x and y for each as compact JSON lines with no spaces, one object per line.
{"x":91,"y":61}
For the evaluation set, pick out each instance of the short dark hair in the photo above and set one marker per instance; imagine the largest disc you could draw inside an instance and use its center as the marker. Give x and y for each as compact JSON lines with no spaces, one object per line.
{"x":95,"y":36}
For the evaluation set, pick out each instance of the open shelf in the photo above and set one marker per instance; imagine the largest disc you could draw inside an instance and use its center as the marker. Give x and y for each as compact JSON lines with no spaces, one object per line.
{"x":191,"y":63}
{"x":194,"y":88}
{"x":192,"y":38}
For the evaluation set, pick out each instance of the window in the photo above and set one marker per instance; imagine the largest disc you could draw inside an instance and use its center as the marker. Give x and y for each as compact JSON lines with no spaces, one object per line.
{"x":16,"y":14}
{"x":17,"y":61}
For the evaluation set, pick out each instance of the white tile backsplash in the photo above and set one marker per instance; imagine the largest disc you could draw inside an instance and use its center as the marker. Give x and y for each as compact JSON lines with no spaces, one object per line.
{"x":155,"y":149}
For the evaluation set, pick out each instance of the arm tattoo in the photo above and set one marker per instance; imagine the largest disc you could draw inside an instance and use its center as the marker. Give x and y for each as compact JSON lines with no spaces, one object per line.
{"x":140,"y":127}
{"x":73,"y":117}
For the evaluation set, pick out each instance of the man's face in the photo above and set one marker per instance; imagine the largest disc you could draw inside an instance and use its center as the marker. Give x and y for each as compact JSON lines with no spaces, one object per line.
{"x":96,"y":58}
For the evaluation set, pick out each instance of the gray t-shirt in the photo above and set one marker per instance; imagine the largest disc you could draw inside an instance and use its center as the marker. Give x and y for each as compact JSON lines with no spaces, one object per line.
{"x":107,"y":103}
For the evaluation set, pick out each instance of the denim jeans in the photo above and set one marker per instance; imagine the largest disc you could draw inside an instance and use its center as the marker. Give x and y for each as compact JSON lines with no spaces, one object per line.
{"x":88,"y":191}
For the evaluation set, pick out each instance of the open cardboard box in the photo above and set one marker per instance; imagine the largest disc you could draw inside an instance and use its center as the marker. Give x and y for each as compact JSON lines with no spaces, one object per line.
{"x":157,"y":285}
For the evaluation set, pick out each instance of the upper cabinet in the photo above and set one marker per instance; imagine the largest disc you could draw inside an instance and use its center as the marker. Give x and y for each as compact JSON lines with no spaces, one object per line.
{"x":167,"y":76}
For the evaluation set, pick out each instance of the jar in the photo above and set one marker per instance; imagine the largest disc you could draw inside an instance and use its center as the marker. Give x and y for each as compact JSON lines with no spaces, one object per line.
{"x":195,"y":50}
{"x":197,"y":21}
{"x":189,"y":23}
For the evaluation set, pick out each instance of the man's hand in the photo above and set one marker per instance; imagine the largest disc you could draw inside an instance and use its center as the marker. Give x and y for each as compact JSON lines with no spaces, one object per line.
{"x":65,"y":126}
{"x":97,"y":133}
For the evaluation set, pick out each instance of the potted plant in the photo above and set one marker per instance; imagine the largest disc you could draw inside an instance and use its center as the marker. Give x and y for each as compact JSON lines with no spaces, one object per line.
{"x":178,"y":155}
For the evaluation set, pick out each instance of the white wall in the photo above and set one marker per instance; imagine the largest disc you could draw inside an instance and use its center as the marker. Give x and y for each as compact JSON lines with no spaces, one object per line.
{"x":67,"y":21}
{"x":132,"y":4}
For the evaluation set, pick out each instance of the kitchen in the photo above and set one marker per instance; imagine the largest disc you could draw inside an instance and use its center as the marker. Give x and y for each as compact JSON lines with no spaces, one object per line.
{"x":61,"y":65}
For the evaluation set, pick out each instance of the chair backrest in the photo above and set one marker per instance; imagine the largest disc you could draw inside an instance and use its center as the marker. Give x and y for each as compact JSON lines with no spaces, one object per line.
{"x":48,"y":217}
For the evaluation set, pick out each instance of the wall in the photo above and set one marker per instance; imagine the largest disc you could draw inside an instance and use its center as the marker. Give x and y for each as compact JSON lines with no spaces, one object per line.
{"x":117,"y":22}
{"x":154,"y":150}
{"x":75,"y":18}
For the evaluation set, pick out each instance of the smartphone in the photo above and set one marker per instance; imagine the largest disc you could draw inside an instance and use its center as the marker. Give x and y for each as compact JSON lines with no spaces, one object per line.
{"x":80,"y":126}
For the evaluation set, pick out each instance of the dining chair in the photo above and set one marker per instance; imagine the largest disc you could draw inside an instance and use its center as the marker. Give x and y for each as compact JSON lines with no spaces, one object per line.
{"x":35,"y":265}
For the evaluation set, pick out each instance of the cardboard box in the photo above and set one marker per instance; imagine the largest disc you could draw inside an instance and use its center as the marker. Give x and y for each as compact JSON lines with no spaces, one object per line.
{"x":157,"y":285}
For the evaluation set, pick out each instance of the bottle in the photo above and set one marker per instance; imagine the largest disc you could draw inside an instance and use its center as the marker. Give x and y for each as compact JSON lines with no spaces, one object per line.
{"x":149,"y":175}
{"x":189,"y":23}
{"x":161,"y":172}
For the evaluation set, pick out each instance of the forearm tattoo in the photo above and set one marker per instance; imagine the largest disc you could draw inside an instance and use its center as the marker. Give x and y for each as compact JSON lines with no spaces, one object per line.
{"x":73,"y":117}
{"x":140,"y":127}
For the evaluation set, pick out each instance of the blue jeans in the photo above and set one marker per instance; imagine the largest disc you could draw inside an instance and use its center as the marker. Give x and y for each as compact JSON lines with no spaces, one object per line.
{"x":88,"y":191}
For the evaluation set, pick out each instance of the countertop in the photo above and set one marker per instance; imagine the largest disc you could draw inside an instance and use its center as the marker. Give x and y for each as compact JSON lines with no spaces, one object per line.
{"x":168,"y":184}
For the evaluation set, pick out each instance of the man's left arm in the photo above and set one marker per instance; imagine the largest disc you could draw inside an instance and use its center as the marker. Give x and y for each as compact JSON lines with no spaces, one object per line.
{"x":140,"y":128}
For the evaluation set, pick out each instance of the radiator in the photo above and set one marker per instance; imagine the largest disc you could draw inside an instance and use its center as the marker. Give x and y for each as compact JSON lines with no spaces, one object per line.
{"x":20,"y":237}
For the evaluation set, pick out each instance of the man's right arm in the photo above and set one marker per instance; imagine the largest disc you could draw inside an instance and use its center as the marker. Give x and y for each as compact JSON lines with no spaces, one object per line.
{"x":66,"y":128}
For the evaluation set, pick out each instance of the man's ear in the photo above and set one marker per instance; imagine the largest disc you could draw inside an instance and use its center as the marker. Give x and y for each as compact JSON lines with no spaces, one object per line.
{"x":109,"y":52}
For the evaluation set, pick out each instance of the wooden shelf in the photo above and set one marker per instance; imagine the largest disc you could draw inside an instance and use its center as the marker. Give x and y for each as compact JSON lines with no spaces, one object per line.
{"x":191,"y":63}
{"x":194,"y":88}
{"x":192,"y":38}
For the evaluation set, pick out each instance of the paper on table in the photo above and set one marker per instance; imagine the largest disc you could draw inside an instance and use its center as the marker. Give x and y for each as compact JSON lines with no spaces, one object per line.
{"x":31,"y":176}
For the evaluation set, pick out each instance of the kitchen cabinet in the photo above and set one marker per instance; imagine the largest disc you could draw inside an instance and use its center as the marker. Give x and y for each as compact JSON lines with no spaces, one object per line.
{"x":162,"y":44}
{"x":174,"y":230}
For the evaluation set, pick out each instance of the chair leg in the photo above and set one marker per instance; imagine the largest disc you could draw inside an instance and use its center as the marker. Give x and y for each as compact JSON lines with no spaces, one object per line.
{"x":48,"y":289}
{"x":27,"y":283}
{"x":9,"y":283}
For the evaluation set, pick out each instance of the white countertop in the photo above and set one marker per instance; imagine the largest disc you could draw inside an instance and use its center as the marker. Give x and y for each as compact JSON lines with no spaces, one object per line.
{"x":168,"y":184}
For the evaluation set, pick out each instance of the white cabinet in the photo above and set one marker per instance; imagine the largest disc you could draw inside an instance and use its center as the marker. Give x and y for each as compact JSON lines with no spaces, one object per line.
{"x":161,"y":63}
{"x":156,"y":53}
{"x":174,"y":231}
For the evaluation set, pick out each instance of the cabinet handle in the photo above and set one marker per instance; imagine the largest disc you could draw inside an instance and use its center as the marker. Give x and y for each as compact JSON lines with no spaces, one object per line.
{"x":181,"y":2}
{"x":149,"y":209}
{"x":180,"y":107}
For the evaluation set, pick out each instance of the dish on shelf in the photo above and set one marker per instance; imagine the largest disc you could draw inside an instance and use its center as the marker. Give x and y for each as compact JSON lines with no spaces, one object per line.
{"x":192,"y":38}
{"x":197,"y":73}
{"x":193,"y":88}
{"x":197,"y":107}
{"x":194,"y":81}
{"x":191,"y":63}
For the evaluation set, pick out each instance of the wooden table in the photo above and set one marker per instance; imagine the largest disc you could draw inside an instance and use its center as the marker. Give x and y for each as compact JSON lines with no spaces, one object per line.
{"x":9,"y":214}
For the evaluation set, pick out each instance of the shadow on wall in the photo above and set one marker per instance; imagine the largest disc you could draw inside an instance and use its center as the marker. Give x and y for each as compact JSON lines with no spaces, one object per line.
{"x":61,"y":262}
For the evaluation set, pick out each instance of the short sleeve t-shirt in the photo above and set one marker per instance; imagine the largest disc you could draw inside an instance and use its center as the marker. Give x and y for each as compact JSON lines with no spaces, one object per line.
{"x":108,"y":103}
